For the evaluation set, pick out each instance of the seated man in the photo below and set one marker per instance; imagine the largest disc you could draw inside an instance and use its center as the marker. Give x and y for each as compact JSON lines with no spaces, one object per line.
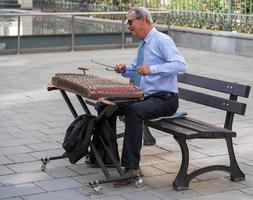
{"x":155,"y":71}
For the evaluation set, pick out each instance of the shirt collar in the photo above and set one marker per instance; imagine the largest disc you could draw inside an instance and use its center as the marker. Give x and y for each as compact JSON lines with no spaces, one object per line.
{"x":148,"y":37}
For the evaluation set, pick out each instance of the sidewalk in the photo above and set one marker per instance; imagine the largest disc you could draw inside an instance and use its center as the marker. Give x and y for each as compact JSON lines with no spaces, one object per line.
{"x":33,"y":122}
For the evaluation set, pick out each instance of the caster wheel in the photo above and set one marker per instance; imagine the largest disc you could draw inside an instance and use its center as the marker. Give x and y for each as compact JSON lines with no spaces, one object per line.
{"x":43,"y":167}
{"x":96,"y":187}
{"x":138,"y":182}
{"x":44,"y":161}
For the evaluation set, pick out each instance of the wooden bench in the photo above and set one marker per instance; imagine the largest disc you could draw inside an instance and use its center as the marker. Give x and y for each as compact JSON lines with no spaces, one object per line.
{"x":186,"y":128}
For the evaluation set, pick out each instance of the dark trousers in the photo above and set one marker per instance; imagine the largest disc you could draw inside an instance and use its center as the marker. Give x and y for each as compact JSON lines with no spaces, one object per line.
{"x":153,"y":106}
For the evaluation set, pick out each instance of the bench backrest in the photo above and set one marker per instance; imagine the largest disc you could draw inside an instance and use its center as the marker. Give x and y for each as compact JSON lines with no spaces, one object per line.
{"x":230,"y":104}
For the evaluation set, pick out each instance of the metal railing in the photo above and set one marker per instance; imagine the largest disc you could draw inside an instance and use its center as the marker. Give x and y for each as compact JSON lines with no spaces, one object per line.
{"x":71,"y":20}
{"x":228,"y":15}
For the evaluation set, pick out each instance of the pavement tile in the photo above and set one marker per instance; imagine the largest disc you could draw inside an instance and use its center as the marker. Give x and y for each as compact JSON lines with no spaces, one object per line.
{"x":248,"y":190}
{"x":19,"y":190}
{"x":167,"y":193}
{"x":84,"y":169}
{"x":61,"y":172}
{"x":4,"y":160}
{"x":140,"y":195}
{"x":20,"y":141}
{"x":58,"y":195}
{"x":21,"y":157}
{"x":4,"y":170}
{"x":150,"y":160}
{"x":159,"y":181}
{"x":15,"y":198}
{"x":45,"y":146}
{"x":216,"y":186}
{"x":58,"y":184}
{"x":14,"y":179}
{"x":36,"y":165}
{"x":230,"y":195}
{"x":152,"y":150}
{"x":14,"y":150}
{"x":151,"y":171}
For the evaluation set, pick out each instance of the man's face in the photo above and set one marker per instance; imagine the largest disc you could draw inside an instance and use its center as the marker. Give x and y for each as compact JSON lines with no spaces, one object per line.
{"x":134,"y":25}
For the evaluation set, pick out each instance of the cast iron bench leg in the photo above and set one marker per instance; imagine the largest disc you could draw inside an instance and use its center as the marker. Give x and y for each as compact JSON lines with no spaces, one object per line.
{"x":182,"y":180}
{"x":235,"y":171}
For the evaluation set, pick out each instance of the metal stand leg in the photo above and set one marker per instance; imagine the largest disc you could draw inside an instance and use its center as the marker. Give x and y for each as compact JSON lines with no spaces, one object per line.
{"x":147,"y":136}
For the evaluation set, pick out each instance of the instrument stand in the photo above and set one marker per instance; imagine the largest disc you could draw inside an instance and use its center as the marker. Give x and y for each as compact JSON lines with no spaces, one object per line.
{"x":103,"y":115}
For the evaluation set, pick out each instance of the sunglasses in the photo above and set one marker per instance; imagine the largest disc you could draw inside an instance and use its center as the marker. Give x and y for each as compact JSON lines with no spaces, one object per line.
{"x":130,"y":21}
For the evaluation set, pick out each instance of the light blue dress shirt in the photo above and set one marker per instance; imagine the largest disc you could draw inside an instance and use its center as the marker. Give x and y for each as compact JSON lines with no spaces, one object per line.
{"x":165,"y":62}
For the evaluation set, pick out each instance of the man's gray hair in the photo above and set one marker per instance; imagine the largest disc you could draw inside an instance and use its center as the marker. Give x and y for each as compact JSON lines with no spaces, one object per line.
{"x":142,"y":12}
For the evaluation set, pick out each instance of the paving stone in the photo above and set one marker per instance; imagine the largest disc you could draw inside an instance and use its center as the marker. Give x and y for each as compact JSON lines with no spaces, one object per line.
{"x":4,"y":170}
{"x":85,"y":179}
{"x":45,"y":146}
{"x":109,"y":190}
{"x":248,"y":190}
{"x":20,"y":178}
{"x":140,"y":195}
{"x":19,"y":190}
{"x":36,"y":165}
{"x":248,"y":181}
{"x":61,"y":172}
{"x":58,"y":195}
{"x":84,"y":169}
{"x":171,"y":167}
{"x":21,"y":157}
{"x":151,"y":171}
{"x":159,"y":181}
{"x":14,"y":150}
{"x":152,"y":150}
{"x":48,"y":153}
{"x":6,"y":136}
{"x":215,"y":186}
{"x":58,"y":184}
{"x":4,"y":160}
{"x":168,"y":143}
{"x":167,"y":193}
{"x":112,"y":198}
{"x":15,"y":142}
{"x":231,"y":195}
{"x":150,"y":160}
{"x":15,"y":198}
{"x":52,"y":138}
{"x":27,"y":134}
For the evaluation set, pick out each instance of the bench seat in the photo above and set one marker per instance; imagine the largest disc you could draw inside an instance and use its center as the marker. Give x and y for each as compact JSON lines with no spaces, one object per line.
{"x":190,"y":128}
{"x":211,"y":93}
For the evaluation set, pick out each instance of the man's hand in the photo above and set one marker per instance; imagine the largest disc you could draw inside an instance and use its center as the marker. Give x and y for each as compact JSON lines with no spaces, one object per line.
{"x":120,"y":68}
{"x":143,"y":70}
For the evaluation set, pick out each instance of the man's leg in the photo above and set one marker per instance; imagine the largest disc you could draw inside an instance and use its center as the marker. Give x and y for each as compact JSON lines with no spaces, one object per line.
{"x":150,"y":108}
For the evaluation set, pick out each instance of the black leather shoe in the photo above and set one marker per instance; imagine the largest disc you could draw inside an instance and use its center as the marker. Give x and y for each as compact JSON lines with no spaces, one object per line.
{"x":129,"y":181}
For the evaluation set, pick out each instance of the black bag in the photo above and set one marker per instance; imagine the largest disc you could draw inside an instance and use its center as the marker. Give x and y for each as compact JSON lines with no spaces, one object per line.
{"x":78,"y":136}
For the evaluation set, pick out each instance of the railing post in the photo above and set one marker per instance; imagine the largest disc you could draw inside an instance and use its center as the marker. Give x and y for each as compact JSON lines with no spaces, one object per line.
{"x":73,"y":33}
{"x":123,"y":32}
{"x":18,"y":41}
{"x":168,"y":24}
{"x":229,"y":25}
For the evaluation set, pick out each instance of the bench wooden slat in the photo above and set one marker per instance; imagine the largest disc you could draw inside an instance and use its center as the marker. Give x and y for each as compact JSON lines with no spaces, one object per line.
{"x":196,"y":126}
{"x":185,"y":128}
{"x":216,"y":85}
{"x":212,"y":101}
{"x":170,"y":128}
